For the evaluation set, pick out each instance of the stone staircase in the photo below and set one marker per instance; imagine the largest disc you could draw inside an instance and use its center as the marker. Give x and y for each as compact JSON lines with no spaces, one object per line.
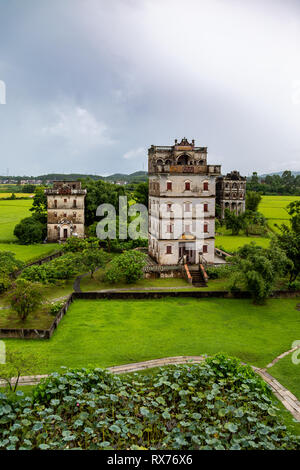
{"x":197,"y":278}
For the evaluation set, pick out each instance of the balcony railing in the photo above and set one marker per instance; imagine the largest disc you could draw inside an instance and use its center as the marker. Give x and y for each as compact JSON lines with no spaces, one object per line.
{"x":191,"y":169}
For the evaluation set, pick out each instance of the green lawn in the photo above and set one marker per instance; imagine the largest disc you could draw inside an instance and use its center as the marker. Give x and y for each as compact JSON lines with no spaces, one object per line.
{"x":87,"y":284}
{"x":288,"y":373}
{"x":41,"y":319}
{"x":11,"y":212}
{"x":28,"y":253}
{"x":111,"y":332}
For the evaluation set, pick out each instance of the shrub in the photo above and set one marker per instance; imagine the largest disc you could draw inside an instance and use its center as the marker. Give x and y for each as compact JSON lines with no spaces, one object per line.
{"x":64,"y":267}
{"x":30,"y":230}
{"x":294,"y":286}
{"x":221,"y":272}
{"x":127,"y":267}
{"x":56,"y":307}
{"x":257,"y":270}
{"x":217,"y":405}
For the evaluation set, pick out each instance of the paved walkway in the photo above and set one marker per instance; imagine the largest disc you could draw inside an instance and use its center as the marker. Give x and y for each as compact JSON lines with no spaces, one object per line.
{"x":289,"y":400}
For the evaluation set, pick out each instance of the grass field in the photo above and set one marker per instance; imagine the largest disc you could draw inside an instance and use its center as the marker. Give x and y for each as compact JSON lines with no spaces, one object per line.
{"x":288,"y":373}
{"x":274,"y":209}
{"x":232,"y":243}
{"x":28,"y":253}
{"x":11,"y":212}
{"x":109,"y":332}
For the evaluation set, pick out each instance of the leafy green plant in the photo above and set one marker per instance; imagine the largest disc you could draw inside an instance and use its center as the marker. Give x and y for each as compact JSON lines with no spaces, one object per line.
{"x":56,"y":307}
{"x":217,"y":405}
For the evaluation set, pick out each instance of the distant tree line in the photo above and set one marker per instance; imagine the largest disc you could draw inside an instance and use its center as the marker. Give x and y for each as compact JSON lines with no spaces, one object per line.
{"x":286,"y":183}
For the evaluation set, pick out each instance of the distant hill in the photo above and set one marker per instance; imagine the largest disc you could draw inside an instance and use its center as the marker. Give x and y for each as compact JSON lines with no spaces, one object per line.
{"x":137,"y":176}
{"x":121,"y":177}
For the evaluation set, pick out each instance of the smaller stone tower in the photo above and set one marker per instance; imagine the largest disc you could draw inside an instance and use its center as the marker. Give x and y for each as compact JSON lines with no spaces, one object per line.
{"x":65,"y":205}
{"x":231,"y":192}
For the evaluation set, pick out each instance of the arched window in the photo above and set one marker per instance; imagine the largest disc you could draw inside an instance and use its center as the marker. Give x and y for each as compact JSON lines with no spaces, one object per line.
{"x":183,"y":160}
{"x":187,"y":185}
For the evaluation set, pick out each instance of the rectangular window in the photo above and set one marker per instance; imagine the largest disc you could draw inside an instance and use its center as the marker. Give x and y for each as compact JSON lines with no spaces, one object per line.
{"x":169,"y":186}
{"x":187,"y":207}
{"x":187,"y":228}
{"x":169,"y":250}
{"x":205,"y":228}
{"x":205,"y":208}
{"x":65,"y":200}
{"x":204,"y":248}
{"x":55,"y":204}
{"x":170,"y":228}
{"x":74,"y":203}
{"x":169,"y":207}
{"x":187,"y":186}
{"x":205,"y":186}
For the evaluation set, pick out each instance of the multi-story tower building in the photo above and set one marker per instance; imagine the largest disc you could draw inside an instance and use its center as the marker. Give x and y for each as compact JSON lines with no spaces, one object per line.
{"x":182,"y":192}
{"x":231,"y":192}
{"x":65,"y":203}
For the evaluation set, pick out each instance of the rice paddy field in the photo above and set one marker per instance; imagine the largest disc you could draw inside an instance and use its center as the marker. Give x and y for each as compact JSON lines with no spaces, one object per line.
{"x":5,"y":195}
{"x":274,"y":209}
{"x":11,"y":212}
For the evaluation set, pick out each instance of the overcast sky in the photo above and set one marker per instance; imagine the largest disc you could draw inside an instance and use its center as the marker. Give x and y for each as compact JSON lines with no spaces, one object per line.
{"x":91,"y":84}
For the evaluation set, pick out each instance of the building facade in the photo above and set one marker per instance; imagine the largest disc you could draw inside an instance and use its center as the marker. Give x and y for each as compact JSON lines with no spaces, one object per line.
{"x":65,"y":205}
{"x":231,"y":193}
{"x":182,"y":194}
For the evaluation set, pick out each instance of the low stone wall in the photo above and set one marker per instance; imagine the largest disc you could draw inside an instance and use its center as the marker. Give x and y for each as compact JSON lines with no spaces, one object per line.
{"x":46,"y":259}
{"x":31,"y":333}
{"x":27,"y":333}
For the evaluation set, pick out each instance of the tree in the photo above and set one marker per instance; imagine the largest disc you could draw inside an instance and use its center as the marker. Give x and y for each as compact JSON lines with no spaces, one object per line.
{"x":255,"y":223}
{"x":8,"y":266}
{"x":25,"y":298}
{"x":99,"y":192}
{"x":39,"y":204}
{"x":17,"y":364}
{"x":257,"y":269}
{"x":141,"y":194}
{"x":294,"y":212}
{"x":252,"y":200}
{"x":288,"y":239}
{"x":28,"y":188}
{"x":94,"y":258}
{"x":128,"y":267}
{"x":234,"y":222}
{"x":30,"y":230}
